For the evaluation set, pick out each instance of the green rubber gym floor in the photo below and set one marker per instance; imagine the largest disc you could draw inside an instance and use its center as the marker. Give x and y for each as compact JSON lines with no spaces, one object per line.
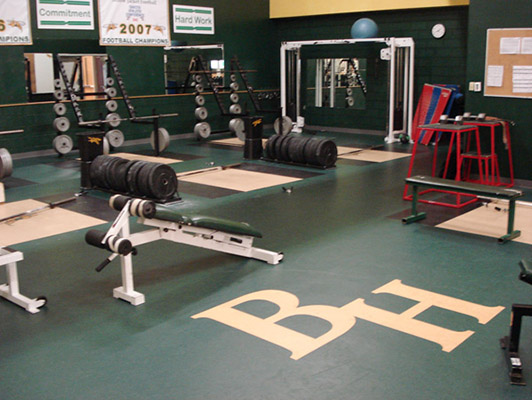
{"x":343,"y":244}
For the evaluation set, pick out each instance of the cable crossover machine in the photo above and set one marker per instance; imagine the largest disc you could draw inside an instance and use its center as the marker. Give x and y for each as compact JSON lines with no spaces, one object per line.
{"x":398,"y":51}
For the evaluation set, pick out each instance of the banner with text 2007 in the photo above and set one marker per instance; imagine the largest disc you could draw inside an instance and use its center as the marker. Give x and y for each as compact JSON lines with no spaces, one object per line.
{"x":15,"y":26}
{"x":134,"y":22}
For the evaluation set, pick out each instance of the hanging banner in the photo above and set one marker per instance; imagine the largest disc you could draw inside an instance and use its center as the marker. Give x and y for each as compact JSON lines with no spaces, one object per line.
{"x":15,"y":26}
{"x":134,"y":22}
{"x":192,"y":19}
{"x":65,"y":14}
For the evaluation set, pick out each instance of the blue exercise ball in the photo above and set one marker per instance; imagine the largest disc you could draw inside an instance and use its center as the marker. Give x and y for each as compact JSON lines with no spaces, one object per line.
{"x":364,"y":28}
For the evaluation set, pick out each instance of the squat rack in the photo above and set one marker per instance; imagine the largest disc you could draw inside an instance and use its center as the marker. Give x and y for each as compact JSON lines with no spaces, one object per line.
{"x":399,"y":73}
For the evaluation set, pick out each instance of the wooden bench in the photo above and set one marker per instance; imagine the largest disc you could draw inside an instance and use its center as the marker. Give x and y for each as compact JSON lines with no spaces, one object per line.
{"x":496,"y":192}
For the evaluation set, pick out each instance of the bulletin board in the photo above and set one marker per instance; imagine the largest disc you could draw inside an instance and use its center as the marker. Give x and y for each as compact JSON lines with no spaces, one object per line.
{"x":508,"y":71}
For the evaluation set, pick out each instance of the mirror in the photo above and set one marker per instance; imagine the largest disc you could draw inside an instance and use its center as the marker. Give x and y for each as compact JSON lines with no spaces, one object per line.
{"x":86,"y":73}
{"x":336,"y":83}
{"x":178,"y":61}
{"x":39,"y":69}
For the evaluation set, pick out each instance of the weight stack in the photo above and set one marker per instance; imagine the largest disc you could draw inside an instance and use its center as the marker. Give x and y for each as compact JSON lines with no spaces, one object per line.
{"x":90,"y":146}
{"x":253,"y":141}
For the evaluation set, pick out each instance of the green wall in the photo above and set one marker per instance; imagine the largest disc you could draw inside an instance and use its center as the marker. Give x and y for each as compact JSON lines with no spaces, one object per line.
{"x":243,"y":27}
{"x":483,"y":15}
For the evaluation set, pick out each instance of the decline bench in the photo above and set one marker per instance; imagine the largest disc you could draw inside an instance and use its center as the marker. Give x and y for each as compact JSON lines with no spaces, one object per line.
{"x":458,"y":187}
{"x":169,"y":223}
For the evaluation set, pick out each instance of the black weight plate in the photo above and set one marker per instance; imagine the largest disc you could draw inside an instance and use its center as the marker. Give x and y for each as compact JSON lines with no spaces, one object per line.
{"x":100,"y":170}
{"x":285,"y":149}
{"x":278,"y":147}
{"x":111,"y":173}
{"x":300,"y":150}
{"x":95,"y":172}
{"x":132,"y":177}
{"x":118,"y":177}
{"x":162,"y":182}
{"x":295,"y":143}
{"x":108,"y":172}
{"x":143,"y":184}
{"x":310,"y":151}
{"x":268,"y":147}
{"x":271,"y":149}
{"x":327,"y":153}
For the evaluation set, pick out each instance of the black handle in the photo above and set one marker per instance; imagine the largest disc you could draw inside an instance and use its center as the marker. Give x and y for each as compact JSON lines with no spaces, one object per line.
{"x":103,"y":265}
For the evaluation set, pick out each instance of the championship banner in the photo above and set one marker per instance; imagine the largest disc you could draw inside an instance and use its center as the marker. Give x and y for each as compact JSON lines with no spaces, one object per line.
{"x":65,"y":14}
{"x":15,"y":26}
{"x":192,"y":19}
{"x":134,"y":22}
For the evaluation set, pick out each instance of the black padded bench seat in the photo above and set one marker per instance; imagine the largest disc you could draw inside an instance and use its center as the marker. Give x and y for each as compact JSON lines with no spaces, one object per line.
{"x":169,"y":213}
{"x":464,"y":187}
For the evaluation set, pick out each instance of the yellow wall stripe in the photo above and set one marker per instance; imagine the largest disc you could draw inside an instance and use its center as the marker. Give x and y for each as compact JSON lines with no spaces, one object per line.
{"x":300,"y":8}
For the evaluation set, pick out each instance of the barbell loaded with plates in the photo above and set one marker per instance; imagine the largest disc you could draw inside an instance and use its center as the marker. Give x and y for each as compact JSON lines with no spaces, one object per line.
{"x":302,"y":150}
{"x":137,"y":178}
{"x":6,"y":163}
{"x":113,"y":120}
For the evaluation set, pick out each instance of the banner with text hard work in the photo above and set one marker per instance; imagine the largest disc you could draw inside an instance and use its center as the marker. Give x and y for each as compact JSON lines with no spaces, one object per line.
{"x":15,"y":26}
{"x":134,"y":22}
{"x":65,"y":14}
{"x":192,"y":19}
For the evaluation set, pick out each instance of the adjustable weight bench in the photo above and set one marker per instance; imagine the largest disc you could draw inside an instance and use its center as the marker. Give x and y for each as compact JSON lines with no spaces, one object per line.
{"x":458,"y":187}
{"x":170,"y":224}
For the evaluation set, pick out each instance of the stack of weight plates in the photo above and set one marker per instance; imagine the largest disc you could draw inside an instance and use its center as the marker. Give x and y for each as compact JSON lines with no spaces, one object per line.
{"x":136,"y":178}
{"x":319,"y":152}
